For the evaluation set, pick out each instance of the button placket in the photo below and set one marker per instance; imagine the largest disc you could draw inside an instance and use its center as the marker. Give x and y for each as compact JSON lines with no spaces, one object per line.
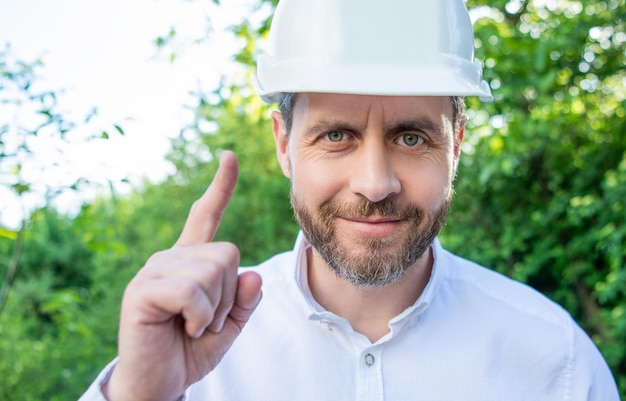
{"x":370,"y":374}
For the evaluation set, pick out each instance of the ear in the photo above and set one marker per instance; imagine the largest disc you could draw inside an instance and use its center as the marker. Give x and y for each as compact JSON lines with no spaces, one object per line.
{"x":457,"y":144}
{"x":282,"y":141}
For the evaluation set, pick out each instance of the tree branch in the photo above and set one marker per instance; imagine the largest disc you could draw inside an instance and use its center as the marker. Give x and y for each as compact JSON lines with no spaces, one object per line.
{"x":591,"y":310}
{"x":12,"y":265}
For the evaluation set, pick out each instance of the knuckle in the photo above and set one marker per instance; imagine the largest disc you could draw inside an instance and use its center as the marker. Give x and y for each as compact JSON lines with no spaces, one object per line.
{"x":230,"y":252}
{"x":156,"y":262}
{"x":135,"y":291}
{"x":189,"y":289}
{"x":214,"y":272}
{"x":156,"y":257}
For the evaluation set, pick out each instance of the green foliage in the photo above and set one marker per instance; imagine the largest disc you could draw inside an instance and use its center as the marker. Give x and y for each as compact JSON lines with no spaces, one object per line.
{"x":51,"y":303}
{"x":30,"y":119}
{"x":258,"y":219}
{"x":54,"y":250}
{"x":30,"y":116}
{"x":51,"y":329}
{"x":542,"y":183}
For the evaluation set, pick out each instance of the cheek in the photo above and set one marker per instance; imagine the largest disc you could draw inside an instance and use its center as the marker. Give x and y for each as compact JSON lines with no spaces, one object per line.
{"x":315,"y":182}
{"x":427,"y":185}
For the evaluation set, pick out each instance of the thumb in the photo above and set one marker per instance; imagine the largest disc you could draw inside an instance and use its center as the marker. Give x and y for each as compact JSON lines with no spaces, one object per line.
{"x":248,"y":297}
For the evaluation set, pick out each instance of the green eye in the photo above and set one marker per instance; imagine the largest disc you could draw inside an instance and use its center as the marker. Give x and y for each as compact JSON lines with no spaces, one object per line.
{"x":411,"y":140}
{"x":335,"y":136}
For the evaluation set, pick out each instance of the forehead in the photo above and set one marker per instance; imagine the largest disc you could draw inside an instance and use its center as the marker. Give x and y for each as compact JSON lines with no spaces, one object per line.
{"x":311,"y":107}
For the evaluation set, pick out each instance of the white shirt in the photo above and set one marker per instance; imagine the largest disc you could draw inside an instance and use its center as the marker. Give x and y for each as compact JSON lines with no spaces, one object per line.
{"x":472,"y":335}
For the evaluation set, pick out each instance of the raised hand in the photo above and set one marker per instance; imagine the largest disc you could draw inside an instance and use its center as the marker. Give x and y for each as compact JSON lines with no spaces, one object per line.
{"x":186,"y":306}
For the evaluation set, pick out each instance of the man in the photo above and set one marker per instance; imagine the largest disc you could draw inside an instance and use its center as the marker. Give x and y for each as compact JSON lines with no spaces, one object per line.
{"x":368,"y":305}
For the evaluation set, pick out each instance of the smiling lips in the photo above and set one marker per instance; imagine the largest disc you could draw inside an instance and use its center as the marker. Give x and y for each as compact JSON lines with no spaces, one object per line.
{"x":372,"y":219}
{"x":372,"y":226}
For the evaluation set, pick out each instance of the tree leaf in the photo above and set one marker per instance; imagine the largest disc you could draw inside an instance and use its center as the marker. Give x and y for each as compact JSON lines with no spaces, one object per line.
{"x":4,"y":233}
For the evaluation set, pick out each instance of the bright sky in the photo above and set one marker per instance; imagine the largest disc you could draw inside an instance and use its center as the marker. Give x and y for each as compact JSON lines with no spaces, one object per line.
{"x":102,"y":54}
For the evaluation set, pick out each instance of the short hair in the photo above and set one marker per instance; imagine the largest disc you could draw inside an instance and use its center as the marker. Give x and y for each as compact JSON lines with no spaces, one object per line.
{"x":287,"y":101}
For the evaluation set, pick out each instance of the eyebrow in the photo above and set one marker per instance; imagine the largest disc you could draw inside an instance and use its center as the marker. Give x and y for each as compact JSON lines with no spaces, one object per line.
{"x":422,"y":124}
{"x":327,"y":125}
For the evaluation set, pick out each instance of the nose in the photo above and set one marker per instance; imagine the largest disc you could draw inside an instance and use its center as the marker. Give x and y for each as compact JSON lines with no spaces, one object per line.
{"x":373,"y":175}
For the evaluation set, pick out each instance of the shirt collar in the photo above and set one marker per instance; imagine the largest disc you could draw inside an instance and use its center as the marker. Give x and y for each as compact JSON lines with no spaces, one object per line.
{"x":410,"y":315}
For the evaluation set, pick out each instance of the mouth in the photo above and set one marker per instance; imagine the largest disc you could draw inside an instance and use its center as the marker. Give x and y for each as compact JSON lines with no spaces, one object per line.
{"x":371,"y":226}
{"x":373,"y":219}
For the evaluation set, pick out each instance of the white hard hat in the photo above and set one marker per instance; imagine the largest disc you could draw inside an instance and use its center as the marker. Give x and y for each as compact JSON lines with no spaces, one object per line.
{"x":372,"y":47}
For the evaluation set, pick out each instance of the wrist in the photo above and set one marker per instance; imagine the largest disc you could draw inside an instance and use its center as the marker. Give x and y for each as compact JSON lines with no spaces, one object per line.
{"x":108,"y":390}
{"x":104,"y":389}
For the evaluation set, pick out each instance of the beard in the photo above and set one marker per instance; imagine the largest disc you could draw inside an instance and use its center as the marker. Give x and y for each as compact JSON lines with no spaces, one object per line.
{"x":370,"y":262}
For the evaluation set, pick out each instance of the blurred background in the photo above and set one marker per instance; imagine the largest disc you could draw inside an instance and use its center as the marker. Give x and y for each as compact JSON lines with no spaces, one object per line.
{"x":113,"y":114}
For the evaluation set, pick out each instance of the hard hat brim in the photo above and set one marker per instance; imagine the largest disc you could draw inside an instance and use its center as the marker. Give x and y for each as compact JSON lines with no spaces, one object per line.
{"x":453,"y":77}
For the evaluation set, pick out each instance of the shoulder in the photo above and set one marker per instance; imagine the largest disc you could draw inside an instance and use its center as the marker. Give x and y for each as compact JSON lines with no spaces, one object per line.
{"x":523,"y":322}
{"x":499,"y":292}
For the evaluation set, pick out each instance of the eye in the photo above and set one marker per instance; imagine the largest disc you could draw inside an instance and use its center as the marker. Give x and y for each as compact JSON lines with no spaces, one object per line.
{"x":335,"y":136}
{"x":410,"y":140}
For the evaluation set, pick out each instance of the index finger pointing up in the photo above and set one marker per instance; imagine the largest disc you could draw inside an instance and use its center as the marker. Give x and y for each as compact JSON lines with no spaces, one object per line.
{"x":206,"y":213}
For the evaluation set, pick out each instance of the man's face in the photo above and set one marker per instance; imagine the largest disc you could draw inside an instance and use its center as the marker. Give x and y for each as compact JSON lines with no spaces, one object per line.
{"x":371,"y":178}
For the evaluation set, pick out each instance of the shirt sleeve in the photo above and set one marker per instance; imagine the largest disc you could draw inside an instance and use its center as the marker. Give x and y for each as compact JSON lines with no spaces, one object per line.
{"x":93,"y":393}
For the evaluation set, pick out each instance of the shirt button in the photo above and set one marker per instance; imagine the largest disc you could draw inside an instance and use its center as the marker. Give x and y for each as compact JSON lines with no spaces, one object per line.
{"x":369,"y":359}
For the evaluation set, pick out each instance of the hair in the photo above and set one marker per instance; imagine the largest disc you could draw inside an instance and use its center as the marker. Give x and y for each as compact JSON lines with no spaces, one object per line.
{"x":287,"y":101}
{"x":458,"y":114}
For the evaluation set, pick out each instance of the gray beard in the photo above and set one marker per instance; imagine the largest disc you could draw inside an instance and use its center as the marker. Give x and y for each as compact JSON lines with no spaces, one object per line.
{"x":381,"y":263}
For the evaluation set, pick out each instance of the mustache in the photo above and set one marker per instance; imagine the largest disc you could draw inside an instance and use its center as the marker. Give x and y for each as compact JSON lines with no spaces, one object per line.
{"x":364,"y":208}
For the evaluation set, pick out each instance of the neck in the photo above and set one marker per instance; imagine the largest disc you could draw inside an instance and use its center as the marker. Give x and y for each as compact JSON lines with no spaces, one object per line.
{"x":368,"y":310}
